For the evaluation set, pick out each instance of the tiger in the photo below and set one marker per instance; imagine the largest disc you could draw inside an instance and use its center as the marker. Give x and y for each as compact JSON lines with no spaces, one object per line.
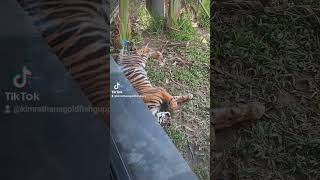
{"x":77,"y":32}
{"x":157,"y":99}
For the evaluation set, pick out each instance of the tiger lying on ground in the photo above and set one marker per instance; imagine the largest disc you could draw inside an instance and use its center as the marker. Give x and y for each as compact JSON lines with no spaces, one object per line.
{"x":157,"y":99}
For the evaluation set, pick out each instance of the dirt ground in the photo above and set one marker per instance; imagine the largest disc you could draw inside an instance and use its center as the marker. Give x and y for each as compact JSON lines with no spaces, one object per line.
{"x":271,"y":55}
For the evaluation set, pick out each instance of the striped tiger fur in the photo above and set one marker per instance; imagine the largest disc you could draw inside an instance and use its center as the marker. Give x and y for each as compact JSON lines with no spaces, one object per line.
{"x":77,"y":31}
{"x":157,"y":99}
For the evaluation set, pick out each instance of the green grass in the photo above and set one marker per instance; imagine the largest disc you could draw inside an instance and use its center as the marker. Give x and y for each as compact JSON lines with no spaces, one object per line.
{"x":143,"y":18}
{"x":183,"y":30}
{"x":148,"y":23}
{"x":177,"y":137}
{"x":201,"y":173}
{"x":195,"y":75}
{"x":137,"y":40}
{"x":190,"y":76}
{"x":204,"y":20}
{"x":198,"y":52}
{"x":158,"y":77}
{"x":179,"y":79}
{"x":269,"y":56}
{"x":157,"y":25}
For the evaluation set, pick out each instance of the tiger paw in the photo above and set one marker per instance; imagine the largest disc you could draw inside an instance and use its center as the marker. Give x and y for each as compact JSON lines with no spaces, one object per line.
{"x":184,"y":98}
{"x":190,"y":96}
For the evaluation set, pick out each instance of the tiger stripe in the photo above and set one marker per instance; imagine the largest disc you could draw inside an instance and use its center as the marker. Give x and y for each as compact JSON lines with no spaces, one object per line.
{"x":156,"y":98}
{"x":77,"y":32}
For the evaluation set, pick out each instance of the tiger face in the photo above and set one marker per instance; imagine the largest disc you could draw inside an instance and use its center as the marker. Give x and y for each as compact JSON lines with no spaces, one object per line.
{"x":145,"y":51}
{"x":148,"y":52}
{"x":163,"y":118}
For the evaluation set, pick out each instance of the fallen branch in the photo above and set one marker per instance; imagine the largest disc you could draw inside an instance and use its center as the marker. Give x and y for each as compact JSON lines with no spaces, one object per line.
{"x":179,"y":44}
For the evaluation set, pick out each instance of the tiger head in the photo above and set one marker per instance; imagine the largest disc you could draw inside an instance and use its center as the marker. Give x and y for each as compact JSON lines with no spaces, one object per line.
{"x":145,"y":51}
{"x":148,"y":52}
{"x":164,"y":118}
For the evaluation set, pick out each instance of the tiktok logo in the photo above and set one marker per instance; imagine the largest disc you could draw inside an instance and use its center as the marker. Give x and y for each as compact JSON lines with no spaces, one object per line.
{"x":116,"y":86}
{"x":20,"y":80}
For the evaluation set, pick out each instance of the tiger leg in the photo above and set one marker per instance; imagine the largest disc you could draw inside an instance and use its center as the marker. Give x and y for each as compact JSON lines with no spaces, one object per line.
{"x":159,"y":96}
{"x":183,"y":98}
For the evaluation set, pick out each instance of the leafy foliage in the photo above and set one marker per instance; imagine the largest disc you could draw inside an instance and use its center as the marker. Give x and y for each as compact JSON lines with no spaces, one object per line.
{"x":182,"y":30}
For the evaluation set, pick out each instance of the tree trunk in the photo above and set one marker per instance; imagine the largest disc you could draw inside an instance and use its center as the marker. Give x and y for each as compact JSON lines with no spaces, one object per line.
{"x":173,"y":13}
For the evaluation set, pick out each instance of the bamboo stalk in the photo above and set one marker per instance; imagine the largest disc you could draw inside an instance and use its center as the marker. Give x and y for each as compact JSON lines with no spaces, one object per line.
{"x":124,"y":20}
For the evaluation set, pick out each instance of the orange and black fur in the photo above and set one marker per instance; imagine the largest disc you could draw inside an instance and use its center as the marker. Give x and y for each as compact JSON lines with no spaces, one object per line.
{"x":157,"y":99}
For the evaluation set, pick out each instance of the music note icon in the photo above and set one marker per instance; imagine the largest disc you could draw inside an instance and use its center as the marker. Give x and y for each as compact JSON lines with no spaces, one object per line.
{"x":116,"y":86}
{"x":20,"y":80}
